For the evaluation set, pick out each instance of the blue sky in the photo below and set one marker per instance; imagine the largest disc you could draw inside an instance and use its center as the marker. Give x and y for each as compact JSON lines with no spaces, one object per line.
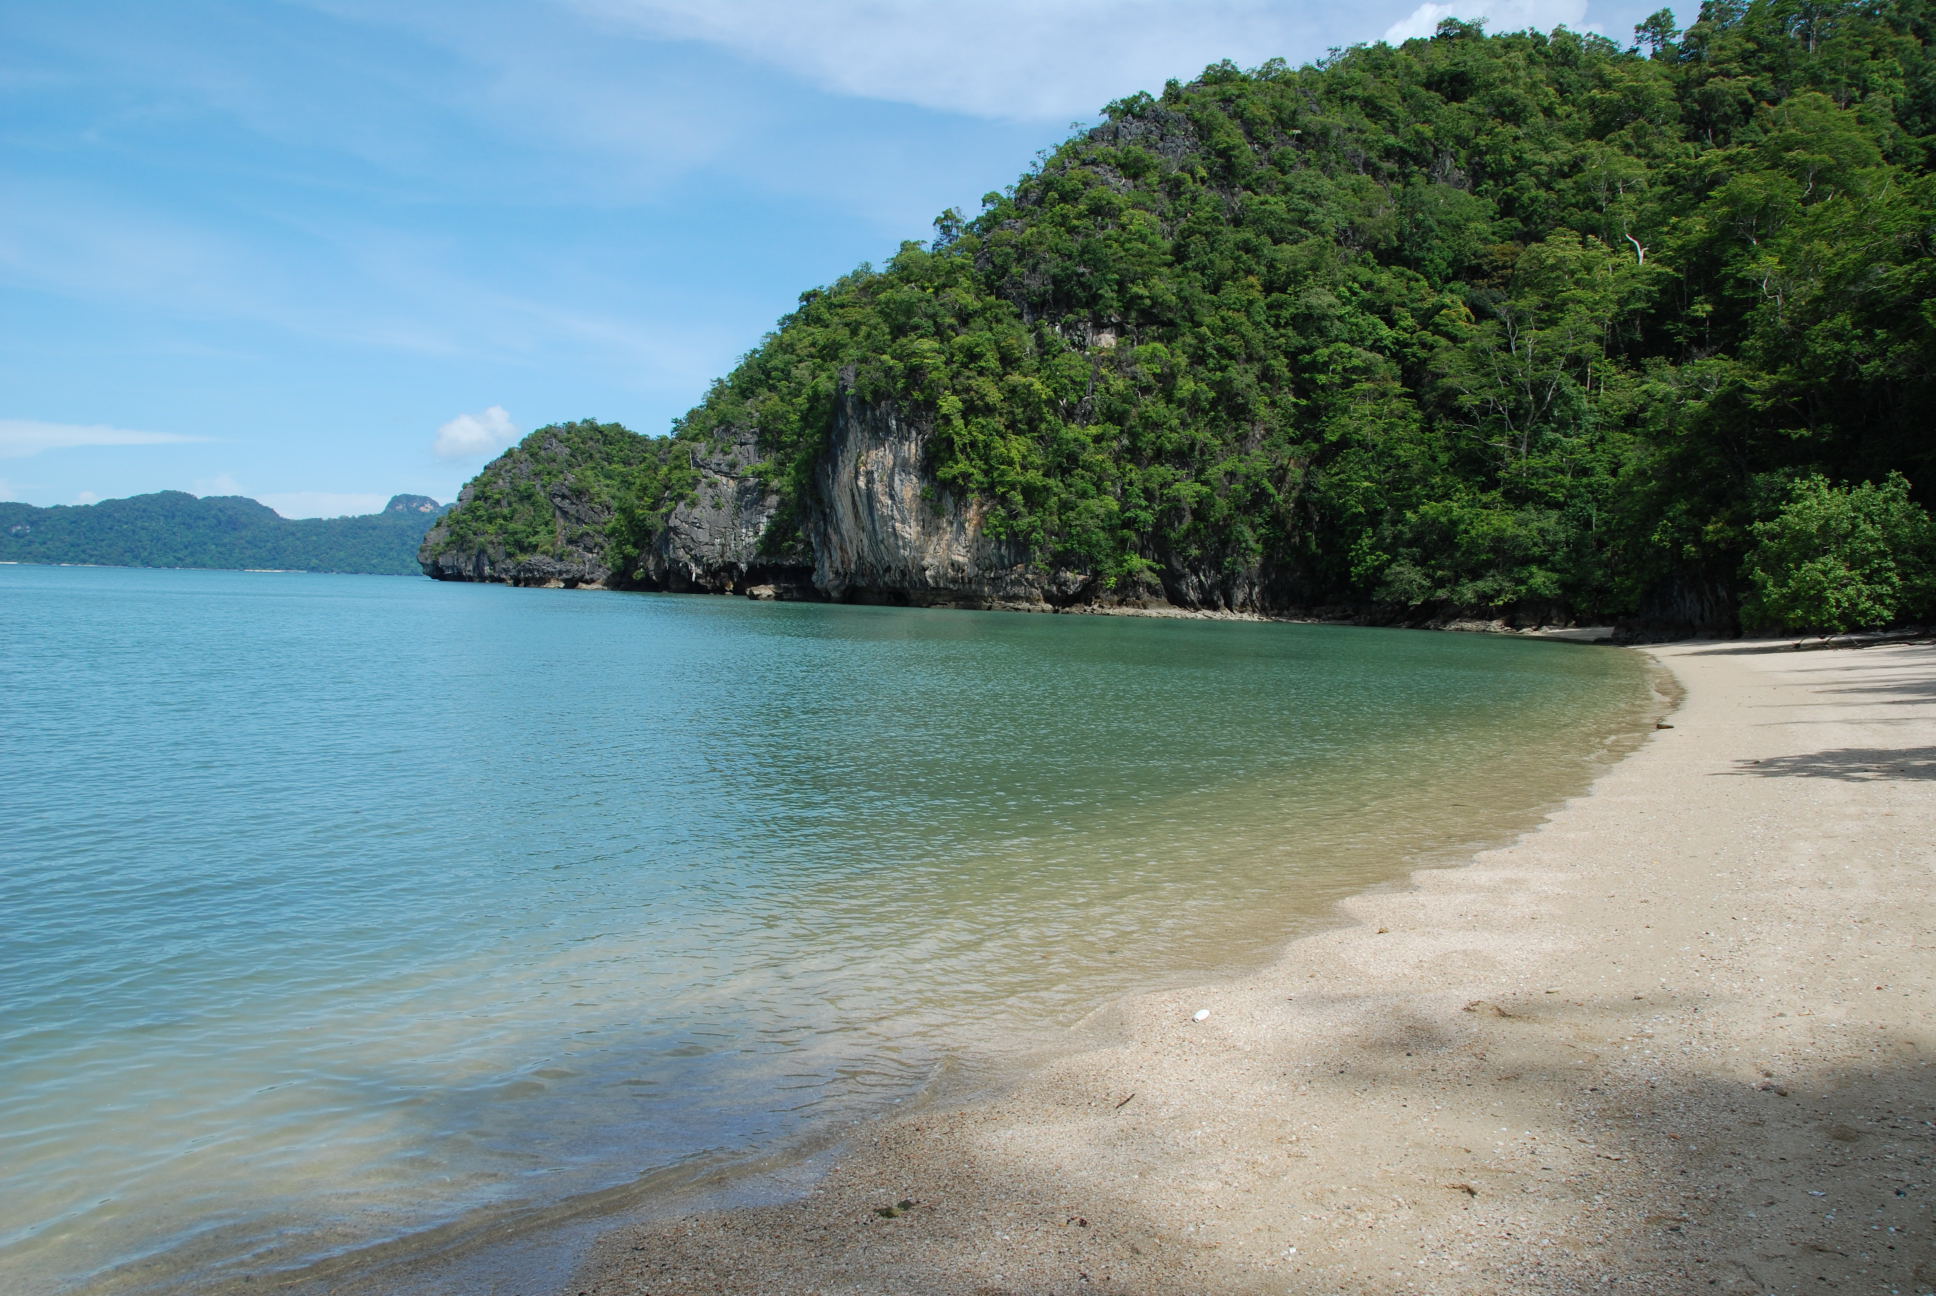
{"x":323,"y":251}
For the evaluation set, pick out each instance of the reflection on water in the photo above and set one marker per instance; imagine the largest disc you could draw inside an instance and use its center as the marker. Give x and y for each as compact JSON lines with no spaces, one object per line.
{"x":341,"y":907}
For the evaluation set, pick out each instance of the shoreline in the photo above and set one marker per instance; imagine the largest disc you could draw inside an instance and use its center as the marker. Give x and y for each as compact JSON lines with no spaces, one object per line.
{"x":1639,"y":1043}
{"x":1458,"y":622}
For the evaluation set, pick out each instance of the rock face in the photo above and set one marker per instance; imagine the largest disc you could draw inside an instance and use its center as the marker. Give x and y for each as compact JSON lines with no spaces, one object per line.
{"x":717,"y":542}
{"x":882,"y":532}
{"x":443,"y":560}
{"x":1686,"y":603}
{"x":877,"y":528}
{"x":412,"y":504}
{"x":578,"y":524}
{"x":490,"y":563}
{"x":1204,"y":584}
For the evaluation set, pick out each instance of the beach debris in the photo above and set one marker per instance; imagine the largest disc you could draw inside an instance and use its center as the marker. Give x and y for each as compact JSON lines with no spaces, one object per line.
{"x":1465,"y":1188}
{"x":901,"y":1207}
{"x":1662,"y":724}
{"x":1201,"y":1014}
{"x":1124,"y":1103}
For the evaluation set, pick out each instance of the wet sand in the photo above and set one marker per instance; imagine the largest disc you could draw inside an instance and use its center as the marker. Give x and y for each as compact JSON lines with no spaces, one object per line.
{"x":1678,"y":1039}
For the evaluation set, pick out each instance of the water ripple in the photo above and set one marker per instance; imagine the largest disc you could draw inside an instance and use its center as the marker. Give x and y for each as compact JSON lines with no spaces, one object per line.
{"x":337,"y":907}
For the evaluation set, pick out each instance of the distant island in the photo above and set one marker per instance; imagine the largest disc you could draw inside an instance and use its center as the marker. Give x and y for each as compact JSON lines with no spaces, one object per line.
{"x":176,"y":529}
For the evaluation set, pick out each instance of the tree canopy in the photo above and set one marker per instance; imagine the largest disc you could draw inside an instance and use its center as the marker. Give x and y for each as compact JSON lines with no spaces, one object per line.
{"x":1478,"y":322}
{"x":175,"y":529}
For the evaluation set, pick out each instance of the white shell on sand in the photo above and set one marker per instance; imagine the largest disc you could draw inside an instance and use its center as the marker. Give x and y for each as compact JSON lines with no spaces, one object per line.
{"x":1201,"y":1014}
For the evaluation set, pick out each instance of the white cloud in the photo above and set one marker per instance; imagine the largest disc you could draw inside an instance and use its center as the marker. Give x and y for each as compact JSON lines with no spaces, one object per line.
{"x":1498,"y":15}
{"x":295,"y":504}
{"x":315,"y":504}
{"x":1036,"y":60}
{"x":86,"y":497}
{"x":475,"y":436}
{"x":1019,"y":60}
{"x":20,"y":438}
{"x":219,"y":484}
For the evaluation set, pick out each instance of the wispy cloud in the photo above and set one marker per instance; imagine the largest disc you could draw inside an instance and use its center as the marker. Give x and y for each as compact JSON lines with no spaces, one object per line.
{"x":1498,"y":16}
{"x":475,"y":436}
{"x":295,"y":504}
{"x":316,"y":504}
{"x":1037,"y":60}
{"x":20,"y":438}
{"x":341,"y":280}
{"x":76,"y":241}
{"x":219,"y":484}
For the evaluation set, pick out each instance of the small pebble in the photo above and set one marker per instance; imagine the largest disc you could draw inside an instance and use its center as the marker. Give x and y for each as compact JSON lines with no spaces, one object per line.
{"x":1202,"y":1014}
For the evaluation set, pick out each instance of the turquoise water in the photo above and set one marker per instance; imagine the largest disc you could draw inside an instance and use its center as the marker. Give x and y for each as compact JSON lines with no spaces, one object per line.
{"x":333,"y":909}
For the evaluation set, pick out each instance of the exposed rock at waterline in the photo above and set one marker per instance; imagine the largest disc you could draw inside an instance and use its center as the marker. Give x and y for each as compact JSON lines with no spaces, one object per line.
{"x":542,"y":512}
{"x":717,"y":540}
{"x":876,"y":528}
{"x":882,"y":531}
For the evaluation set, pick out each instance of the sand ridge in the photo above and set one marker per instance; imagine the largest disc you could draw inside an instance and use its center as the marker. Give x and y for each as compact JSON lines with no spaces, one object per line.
{"x":1677,"y":1039}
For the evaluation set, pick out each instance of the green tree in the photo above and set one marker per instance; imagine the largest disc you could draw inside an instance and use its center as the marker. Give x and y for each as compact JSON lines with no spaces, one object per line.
{"x":1841,"y":558}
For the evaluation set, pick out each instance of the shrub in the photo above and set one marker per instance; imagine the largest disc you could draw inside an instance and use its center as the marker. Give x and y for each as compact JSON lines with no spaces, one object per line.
{"x":1841,"y":558}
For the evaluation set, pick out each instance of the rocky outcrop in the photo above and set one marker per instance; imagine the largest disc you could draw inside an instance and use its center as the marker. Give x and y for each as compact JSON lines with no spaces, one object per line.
{"x":1207,"y":585}
{"x":534,"y":486}
{"x":1687,"y":603}
{"x":490,"y":563}
{"x":875,"y":528}
{"x":718,"y":541}
{"x":883,"y":532}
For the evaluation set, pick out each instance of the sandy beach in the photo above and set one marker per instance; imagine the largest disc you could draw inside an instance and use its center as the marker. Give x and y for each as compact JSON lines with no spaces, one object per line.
{"x":1677,"y":1039}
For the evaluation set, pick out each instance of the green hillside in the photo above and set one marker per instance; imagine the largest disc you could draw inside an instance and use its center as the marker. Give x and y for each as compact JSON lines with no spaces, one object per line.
{"x":175,"y":529}
{"x":1485,"y":323}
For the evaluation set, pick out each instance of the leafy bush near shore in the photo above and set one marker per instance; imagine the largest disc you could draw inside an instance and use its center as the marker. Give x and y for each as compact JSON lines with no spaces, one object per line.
{"x":1842,"y":558}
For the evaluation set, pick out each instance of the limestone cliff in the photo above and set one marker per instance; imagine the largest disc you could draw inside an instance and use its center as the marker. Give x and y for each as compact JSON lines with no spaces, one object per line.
{"x":716,"y":540}
{"x":578,"y":556}
{"x":543,"y":512}
{"x":881,"y":531}
{"x":875,"y":528}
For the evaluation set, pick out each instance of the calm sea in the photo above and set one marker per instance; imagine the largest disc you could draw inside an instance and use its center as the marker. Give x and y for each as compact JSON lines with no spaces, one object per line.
{"x":334,"y":909}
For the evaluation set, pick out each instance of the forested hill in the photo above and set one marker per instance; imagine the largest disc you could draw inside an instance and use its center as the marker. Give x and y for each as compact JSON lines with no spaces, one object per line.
{"x":1522,"y":324}
{"x":175,"y":529}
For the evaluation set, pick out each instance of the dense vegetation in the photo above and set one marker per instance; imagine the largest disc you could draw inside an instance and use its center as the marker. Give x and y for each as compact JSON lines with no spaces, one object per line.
{"x":1482,"y":322}
{"x":175,"y":529}
{"x":570,"y":487}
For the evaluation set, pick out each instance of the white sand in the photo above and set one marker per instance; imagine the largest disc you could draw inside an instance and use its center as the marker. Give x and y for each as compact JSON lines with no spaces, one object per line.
{"x":1678,"y":1039}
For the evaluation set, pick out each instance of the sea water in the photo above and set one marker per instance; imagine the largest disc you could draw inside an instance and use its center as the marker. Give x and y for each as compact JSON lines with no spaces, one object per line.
{"x":337,"y":909}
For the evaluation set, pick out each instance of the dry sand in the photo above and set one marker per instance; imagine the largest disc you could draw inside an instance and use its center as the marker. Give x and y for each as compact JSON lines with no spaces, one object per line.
{"x":1678,"y":1039}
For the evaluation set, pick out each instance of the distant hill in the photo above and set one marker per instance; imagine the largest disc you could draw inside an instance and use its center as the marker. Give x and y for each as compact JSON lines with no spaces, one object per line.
{"x":175,"y":529}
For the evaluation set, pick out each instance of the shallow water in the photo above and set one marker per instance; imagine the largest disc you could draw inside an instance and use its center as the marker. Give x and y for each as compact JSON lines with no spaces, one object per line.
{"x":333,"y":909}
